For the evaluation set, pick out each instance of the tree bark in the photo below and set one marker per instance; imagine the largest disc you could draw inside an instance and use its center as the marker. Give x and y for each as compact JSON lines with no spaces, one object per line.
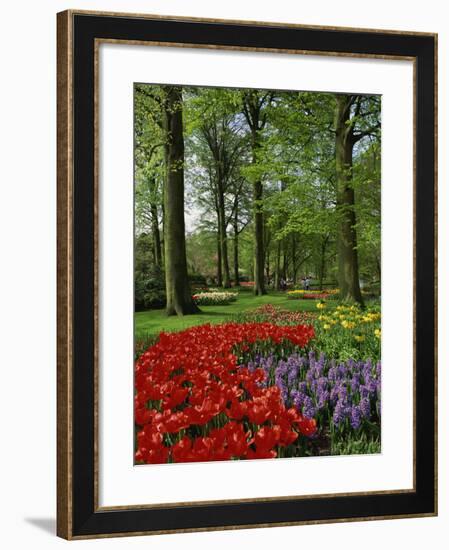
{"x":223,"y":237}
{"x":236,"y":248}
{"x":284,"y":260}
{"x":259,"y":252}
{"x":156,"y":235}
{"x":267,"y":265}
{"x":219,"y":270}
{"x":322,"y":266}
{"x":379,"y":268}
{"x":179,"y":296}
{"x":252,"y":110}
{"x":294,"y":266}
{"x":348,"y":266}
{"x":277,"y":267}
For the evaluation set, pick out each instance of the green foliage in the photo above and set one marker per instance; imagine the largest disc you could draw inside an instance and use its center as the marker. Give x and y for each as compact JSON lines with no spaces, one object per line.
{"x":348,"y":332}
{"x":197,"y":279}
{"x":292,"y":152}
{"x":354,"y":444}
{"x":150,"y":139}
{"x":149,"y":282}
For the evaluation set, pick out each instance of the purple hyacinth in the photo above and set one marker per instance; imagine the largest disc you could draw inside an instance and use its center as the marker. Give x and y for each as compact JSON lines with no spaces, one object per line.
{"x":322,"y":384}
{"x":340,"y":412}
{"x":323,"y":398}
{"x":342,"y":371}
{"x":292,"y":374}
{"x":298,"y":400}
{"x":355,"y":417}
{"x":355,"y":382}
{"x":320,"y":388}
{"x":308,"y":408}
{"x":332,"y":374}
{"x":365,"y":407}
{"x":378,"y":369}
{"x":364,"y":392}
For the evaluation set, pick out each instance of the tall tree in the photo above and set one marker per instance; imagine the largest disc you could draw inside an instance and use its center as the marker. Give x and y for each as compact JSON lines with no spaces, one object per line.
{"x":255,"y":112}
{"x":179,"y":296}
{"x":351,"y":125}
{"x":240,"y":218}
{"x":218,"y":143}
{"x":149,"y":142}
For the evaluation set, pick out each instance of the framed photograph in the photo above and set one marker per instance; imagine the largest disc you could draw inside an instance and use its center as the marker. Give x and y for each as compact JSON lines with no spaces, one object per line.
{"x":246,"y":274}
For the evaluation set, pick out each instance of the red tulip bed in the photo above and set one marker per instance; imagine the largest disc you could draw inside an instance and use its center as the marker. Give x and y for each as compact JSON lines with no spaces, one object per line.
{"x":196,"y":401}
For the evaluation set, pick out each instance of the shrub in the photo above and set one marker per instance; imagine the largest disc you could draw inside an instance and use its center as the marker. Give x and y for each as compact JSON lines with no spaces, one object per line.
{"x":196,"y":279}
{"x":149,"y":289}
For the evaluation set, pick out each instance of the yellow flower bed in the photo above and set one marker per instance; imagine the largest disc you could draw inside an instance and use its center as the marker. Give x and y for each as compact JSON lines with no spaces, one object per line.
{"x":296,"y":292}
{"x":300,"y":292}
{"x":362,"y":324}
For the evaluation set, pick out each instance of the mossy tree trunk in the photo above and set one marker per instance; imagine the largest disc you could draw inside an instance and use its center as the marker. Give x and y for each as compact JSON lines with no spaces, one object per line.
{"x":179,"y":296}
{"x":348,"y":264}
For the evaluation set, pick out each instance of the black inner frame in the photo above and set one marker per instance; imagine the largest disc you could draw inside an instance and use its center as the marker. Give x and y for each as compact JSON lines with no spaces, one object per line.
{"x":87,"y":521}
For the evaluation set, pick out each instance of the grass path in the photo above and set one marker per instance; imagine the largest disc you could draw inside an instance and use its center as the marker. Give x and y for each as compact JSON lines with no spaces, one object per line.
{"x":154,"y":321}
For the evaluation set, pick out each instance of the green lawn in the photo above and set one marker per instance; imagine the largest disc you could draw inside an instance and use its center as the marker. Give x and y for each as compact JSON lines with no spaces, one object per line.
{"x":154,"y":321}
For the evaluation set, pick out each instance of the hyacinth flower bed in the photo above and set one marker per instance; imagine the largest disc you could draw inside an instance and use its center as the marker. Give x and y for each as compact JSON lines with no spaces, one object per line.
{"x":343,"y":398}
{"x":194,"y":401}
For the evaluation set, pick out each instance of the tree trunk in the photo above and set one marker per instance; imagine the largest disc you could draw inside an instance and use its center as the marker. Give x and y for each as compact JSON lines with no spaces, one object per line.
{"x":322,"y":266}
{"x":156,"y":235}
{"x":219,"y":270}
{"x":284,"y":260}
{"x":252,"y":107}
{"x":179,"y":296}
{"x":277,"y":267}
{"x":294,"y":266}
{"x":348,"y":266}
{"x":236,"y":248}
{"x":267,"y":265}
{"x":259,"y":280}
{"x":223,"y":238}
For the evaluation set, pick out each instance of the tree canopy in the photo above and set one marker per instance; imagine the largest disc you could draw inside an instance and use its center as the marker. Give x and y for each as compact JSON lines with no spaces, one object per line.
{"x":237,"y":185}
